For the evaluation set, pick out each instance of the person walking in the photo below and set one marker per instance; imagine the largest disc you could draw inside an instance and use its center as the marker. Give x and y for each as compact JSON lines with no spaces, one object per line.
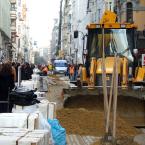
{"x":7,"y":80}
{"x":14,"y":71}
{"x":26,"y":71}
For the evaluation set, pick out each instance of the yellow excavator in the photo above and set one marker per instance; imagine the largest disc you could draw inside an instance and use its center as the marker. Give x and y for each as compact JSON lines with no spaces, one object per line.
{"x":116,"y":39}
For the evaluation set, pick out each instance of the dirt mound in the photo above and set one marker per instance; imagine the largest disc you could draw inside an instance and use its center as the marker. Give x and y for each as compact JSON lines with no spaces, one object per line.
{"x":128,"y":108}
{"x":86,"y":122}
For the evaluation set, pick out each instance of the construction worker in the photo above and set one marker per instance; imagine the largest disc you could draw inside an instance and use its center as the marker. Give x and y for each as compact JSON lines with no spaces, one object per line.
{"x":71,"y":72}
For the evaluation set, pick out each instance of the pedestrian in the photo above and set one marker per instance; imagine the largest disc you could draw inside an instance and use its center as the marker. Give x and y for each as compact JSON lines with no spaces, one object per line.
{"x":67,"y":71}
{"x":6,"y":85}
{"x":80,"y":70}
{"x":26,"y":71}
{"x":75,"y":71}
{"x":14,"y":71}
{"x":71,"y":71}
{"x":79,"y":76}
{"x":16,"y":67}
{"x":45,"y":70}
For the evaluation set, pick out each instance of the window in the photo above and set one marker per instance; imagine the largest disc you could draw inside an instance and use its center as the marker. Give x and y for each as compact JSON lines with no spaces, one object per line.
{"x":13,"y":39}
{"x":129,"y":12}
{"x":119,"y":41}
{"x":13,"y":7}
{"x":13,"y":23}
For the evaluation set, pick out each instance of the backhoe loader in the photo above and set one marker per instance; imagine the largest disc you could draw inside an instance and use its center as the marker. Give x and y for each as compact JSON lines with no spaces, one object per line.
{"x":117,"y":39}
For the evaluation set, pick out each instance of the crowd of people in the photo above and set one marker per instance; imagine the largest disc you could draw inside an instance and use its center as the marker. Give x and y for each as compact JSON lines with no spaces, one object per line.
{"x":9,"y":75}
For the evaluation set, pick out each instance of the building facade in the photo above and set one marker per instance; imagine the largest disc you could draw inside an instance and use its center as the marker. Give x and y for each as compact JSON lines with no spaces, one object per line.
{"x":66,"y":30}
{"x":54,"y":40}
{"x":74,"y":18}
{"x":23,"y":42}
{"x":5,"y":31}
{"x":133,"y":11}
{"x":13,"y":28}
{"x":78,"y":13}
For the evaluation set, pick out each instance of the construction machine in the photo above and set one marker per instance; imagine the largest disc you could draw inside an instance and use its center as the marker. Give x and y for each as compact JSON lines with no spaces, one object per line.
{"x":117,"y":39}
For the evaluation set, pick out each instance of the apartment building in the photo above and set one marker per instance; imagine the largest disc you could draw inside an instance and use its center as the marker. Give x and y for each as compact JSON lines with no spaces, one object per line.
{"x":133,"y":11}
{"x":13,"y":18}
{"x":77,"y":14}
{"x":23,"y":32}
{"x":54,"y":40}
{"x":5,"y":31}
{"x":74,"y":18}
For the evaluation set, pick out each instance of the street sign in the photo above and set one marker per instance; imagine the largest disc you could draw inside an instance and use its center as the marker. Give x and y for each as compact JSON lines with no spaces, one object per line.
{"x":143,"y":59}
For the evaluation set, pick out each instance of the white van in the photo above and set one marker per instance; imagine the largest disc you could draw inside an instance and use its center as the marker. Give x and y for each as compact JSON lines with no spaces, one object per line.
{"x":60,"y":66}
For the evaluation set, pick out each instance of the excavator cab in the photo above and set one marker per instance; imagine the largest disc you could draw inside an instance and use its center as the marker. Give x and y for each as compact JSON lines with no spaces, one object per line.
{"x":116,"y":39}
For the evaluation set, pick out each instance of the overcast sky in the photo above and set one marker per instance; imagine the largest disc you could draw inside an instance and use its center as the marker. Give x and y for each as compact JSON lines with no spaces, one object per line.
{"x":41,"y":19}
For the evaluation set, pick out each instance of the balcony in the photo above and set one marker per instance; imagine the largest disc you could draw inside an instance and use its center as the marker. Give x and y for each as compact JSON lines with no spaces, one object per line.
{"x":13,"y":15}
{"x":13,"y":29}
{"x":12,"y":1}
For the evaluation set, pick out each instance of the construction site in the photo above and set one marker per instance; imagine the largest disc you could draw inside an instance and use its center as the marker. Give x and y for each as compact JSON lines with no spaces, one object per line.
{"x":91,"y":93}
{"x":84,"y":120}
{"x":107,"y":100}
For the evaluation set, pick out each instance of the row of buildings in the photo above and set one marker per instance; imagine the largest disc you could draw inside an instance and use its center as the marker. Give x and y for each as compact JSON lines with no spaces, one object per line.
{"x":76,"y":14}
{"x":15,"y":41}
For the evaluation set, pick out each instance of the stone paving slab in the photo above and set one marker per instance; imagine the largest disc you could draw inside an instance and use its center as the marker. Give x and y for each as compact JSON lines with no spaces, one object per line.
{"x":81,"y":140}
{"x":140,"y":139}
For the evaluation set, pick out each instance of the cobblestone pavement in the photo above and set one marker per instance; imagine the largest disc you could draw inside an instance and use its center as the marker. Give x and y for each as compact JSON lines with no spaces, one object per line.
{"x":55,"y":91}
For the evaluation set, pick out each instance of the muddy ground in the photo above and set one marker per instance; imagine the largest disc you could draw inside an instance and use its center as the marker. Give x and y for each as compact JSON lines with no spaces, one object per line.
{"x":84,"y":115}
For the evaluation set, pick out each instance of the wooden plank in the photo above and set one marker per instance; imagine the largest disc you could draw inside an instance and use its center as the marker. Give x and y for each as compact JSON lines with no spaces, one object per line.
{"x":81,"y":140}
{"x":115,"y":97}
